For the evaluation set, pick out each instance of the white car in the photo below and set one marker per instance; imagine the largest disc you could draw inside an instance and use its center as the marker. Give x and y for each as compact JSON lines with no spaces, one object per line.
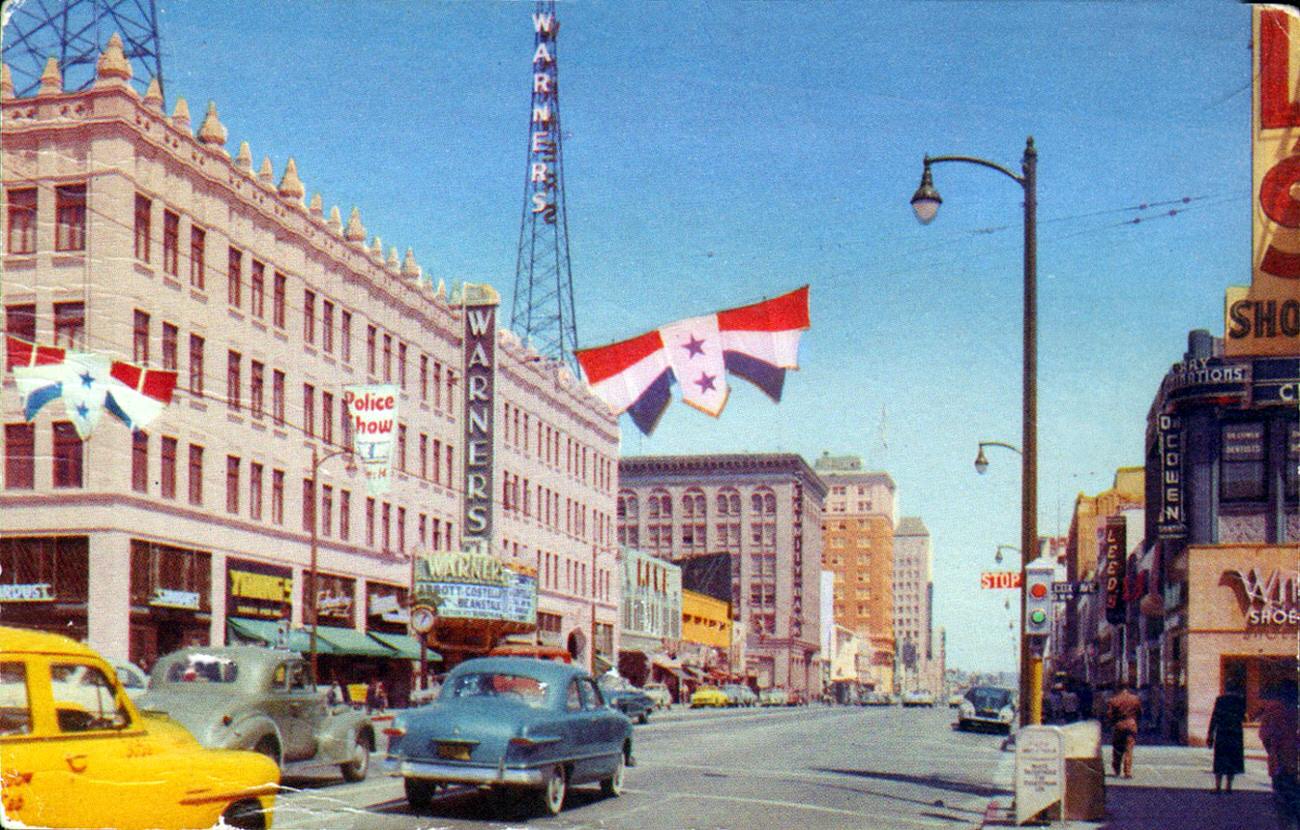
{"x":987,"y":707}
{"x":659,"y":693}
{"x":131,"y":676}
{"x":919,"y":697}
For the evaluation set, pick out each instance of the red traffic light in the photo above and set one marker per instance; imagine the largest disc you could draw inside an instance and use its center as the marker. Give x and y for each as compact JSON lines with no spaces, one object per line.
{"x":1038,"y":590}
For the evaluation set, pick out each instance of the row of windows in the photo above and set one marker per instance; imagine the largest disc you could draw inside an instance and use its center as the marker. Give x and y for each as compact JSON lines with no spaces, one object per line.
{"x":517,"y":497}
{"x":695,"y":537}
{"x":69,"y":219}
{"x":548,"y":570}
{"x":659,"y":504}
{"x":556,"y":448}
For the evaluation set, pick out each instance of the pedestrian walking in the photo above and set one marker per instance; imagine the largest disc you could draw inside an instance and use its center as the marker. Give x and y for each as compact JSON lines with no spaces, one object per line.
{"x":1123,"y":713}
{"x":372,"y":696}
{"x":381,"y":695}
{"x":1278,"y":732}
{"x":1225,"y":736}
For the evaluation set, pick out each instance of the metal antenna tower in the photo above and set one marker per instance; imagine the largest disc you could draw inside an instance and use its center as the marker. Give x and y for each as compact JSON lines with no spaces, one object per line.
{"x":542,"y":308}
{"x":74,"y":32}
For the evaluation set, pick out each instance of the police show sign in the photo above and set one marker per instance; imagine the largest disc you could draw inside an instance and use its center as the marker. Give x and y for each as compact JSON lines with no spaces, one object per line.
{"x":476,"y":586}
{"x":372,"y":416}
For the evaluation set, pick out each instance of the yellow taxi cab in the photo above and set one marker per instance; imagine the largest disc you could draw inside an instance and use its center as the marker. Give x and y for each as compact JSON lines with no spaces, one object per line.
{"x":75,"y":752}
{"x":708,"y":696}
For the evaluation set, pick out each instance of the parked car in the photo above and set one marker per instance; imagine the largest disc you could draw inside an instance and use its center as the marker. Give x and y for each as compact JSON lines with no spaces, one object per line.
{"x":708,"y":696}
{"x":659,"y":693}
{"x":247,"y":697}
{"x":132,"y":677}
{"x":626,"y":698}
{"x":739,"y":695}
{"x":877,"y":699}
{"x":529,"y":650}
{"x":918,"y":697}
{"x":773,"y":697}
{"x":77,"y":753}
{"x":955,"y":700}
{"x":512,"y":724}
{"x":987,"y":707}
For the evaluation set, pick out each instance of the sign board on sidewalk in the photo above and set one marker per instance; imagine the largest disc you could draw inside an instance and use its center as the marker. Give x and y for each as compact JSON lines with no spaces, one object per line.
{"x":1040,"y":773}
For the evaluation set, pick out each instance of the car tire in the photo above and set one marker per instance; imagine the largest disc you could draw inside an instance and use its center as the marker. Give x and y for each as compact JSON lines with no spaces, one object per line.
{"x":356,"y":769}
{"x":419,"y":793}
{"x":267,"y":745}
{"x":551,"y":796}
{"x":244,"y":815}
{"x":612,"y":787}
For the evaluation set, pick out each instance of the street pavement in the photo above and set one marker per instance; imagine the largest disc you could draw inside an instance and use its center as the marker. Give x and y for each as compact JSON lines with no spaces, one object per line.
{"x":815,"y":767}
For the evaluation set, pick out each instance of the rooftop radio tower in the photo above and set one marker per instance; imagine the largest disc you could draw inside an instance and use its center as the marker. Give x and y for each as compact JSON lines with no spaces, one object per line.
{"x":542,"y":309}
{"x":74,"y":33}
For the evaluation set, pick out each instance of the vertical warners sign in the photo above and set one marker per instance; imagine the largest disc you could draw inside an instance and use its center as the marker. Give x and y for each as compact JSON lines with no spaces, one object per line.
{"x":372,"y":411}
{"x":541,"y":147}
{"x":1113,"y":546}
{"x":1264,"y":319}
{"x":479,"y":311}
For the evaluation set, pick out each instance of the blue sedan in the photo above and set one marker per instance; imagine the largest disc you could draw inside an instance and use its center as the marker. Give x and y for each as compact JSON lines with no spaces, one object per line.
{"x":512,"y":724}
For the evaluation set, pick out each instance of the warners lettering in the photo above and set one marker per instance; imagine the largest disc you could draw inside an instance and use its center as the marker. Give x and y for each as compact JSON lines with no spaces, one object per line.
{"x":464,"y":567}
{"x":260,"y":586}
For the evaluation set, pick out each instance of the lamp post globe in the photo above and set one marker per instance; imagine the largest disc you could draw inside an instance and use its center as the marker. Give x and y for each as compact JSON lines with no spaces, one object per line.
{"x":981,"y":462}
{"x":926,"y":200}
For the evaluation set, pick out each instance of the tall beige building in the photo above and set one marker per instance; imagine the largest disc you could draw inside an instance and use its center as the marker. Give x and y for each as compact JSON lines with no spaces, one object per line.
{"x":764,"y":510}
{"x":129,"y":234}
{"x":913,"y":591}
{"x":858,"y":549}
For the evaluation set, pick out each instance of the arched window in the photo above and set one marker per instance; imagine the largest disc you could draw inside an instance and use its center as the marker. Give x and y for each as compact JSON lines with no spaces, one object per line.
{"x":693,"y":504}
{"x":633,"y":508}
{"x":728,"y":502}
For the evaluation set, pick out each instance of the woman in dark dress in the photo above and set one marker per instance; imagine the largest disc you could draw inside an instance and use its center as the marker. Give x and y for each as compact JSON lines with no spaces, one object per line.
{"x":1225,"y":737}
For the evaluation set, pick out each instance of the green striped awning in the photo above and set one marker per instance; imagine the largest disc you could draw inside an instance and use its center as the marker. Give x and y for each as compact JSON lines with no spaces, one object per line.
{"x":406,"y":647}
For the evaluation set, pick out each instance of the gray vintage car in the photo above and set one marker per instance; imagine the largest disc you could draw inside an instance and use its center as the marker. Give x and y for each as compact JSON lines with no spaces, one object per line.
{"x":245,"y":697}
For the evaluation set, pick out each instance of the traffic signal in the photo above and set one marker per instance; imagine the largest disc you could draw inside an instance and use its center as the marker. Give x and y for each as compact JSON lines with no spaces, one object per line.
{"x":1038,"y":600}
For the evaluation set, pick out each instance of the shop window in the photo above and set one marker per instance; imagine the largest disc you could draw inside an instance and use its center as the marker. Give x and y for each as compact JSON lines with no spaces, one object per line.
{"x":171,"y":243}
{"x":1242,"y":467}
{"x":1259,"y":677}
{"x":58,"y":564}
{"x":21,"y":238}
{"x":20,"y":456}
{"x":70,"y":217}
{"x":68,"y":448}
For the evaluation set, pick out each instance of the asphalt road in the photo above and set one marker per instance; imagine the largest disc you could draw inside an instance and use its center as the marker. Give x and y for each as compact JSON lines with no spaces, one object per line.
{"x":807,"y":767}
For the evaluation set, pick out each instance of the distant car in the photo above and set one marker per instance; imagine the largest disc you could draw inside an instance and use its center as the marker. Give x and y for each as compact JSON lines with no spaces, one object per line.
{"x":773,"y":697}
{"x":131,"y":676}
{"x":512,"y":725}
{"x":918,"y":697}
{"x":76,"y":752}
{"x":659,"y":693}
{"x":626,"y":698}
{"x":710,"y":696}
{"x":987,"y":707}
{"x":955,"y":700}
{"x":739,"y":695}
{"x":876,"y":699}
{"x":555,"y":653}
{"x":248,"y":697}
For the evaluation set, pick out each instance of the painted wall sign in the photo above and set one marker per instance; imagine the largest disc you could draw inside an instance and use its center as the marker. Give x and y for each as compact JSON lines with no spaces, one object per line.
{"x":479,"y":310}
{"x":172,"y":598}
{"x":372,"y":411}
{"x":1172,"y":520}
{"x":1267,"y":601}
{"x":32,"y":592}
{"x":1206,"y":377}
{"x":1000,"y":579}
{"x":1113,"y":534}
{"x":258,"y":590}
{"x":1264,"y":319}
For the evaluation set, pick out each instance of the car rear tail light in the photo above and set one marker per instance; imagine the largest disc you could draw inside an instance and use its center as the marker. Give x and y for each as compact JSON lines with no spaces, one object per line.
{"x":395,"y":731}
{"x":523,"y":742}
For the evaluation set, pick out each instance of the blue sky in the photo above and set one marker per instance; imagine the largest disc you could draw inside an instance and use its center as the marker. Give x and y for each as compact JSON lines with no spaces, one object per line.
{"x":719,"y":153}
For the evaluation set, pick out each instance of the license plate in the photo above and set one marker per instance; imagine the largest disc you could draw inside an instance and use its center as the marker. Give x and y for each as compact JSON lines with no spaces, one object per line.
{"x":453,"y":752}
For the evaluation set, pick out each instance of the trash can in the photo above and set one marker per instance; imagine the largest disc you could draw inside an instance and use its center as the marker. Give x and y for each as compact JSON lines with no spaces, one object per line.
{"x":1085,"y":774}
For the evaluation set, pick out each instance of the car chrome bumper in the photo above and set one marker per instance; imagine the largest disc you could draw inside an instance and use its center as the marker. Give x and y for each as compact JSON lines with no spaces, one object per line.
{"x":457,"y":774}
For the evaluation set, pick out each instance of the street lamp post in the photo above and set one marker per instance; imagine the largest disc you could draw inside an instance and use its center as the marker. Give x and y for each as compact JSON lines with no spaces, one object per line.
{"x":982,"y":462}
{"x":312,"y":591}
{"x":926,"y":203}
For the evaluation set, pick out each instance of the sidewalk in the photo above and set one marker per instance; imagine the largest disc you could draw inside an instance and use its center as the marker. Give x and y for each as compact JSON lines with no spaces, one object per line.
{"x":1173,"y":787}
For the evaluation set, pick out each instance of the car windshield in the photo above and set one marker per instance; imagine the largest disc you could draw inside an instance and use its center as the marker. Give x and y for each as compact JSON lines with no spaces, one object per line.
{"x":989,"y":698}
{"x":613,"y":684}
{"x":202,"y":668}
{"x":529,"y":690}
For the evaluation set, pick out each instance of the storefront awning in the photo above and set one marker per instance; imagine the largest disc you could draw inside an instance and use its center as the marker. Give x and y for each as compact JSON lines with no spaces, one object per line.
{"x":329,"y":639}
{"x":406,"y":647}
{"x":266,"y":632}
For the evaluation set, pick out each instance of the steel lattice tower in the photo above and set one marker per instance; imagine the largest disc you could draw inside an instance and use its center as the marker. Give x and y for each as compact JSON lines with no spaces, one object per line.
{"x":542,"y":308}
{"x":74,"y":32}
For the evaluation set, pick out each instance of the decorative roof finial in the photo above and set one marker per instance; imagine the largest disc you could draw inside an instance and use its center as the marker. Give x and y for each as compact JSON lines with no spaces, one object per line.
{"x":6,"y":83}
{"x":266,"y":175}
{"x":317,"y":206}
{"x":244,"y":161}
{"x":356,"y":231}
{"x":336,"y":222}
{"x":51,"y":78}
{"x":392,"y":263}
{"x":212,"y":131}
{"x":112,"y":69}
{"x":181,"y":115}
{"x":290,"y":185}
{"x":153,"y":95}
{"x":410,"y":268}
{"x":377,"y":248}
{"x":441,"y":293}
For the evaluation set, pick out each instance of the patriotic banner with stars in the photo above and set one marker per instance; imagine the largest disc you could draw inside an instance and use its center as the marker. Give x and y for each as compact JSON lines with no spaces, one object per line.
{"x":758,"y":342}
{"x":88,"y":384}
